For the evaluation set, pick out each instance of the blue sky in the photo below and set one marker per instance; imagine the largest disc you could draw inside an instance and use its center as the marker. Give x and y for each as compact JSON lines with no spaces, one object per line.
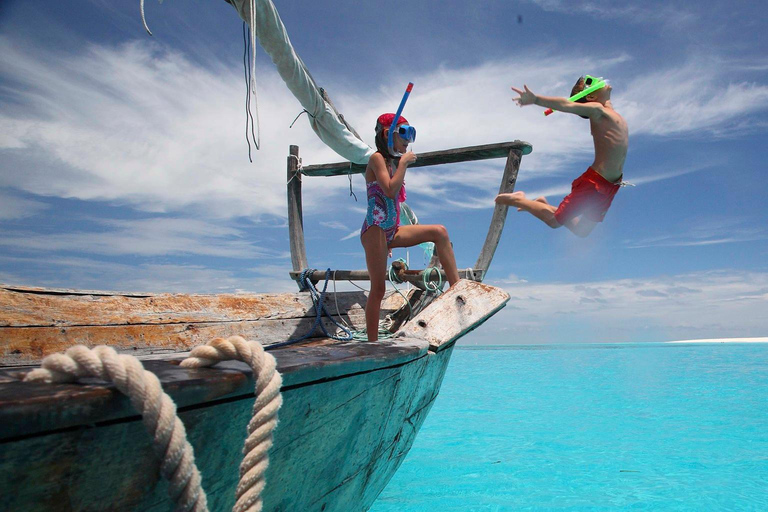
{"x":123,"y":164}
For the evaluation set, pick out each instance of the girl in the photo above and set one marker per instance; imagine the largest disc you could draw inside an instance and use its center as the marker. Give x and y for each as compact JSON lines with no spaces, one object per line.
{"x":381,"y":229}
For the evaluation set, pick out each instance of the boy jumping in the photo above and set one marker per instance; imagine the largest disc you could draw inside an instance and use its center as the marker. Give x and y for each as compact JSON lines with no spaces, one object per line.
{"x":592,"y":192}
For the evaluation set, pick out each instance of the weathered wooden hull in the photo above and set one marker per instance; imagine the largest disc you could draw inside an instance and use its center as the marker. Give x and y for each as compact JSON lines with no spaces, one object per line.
{"x":350,"y":414}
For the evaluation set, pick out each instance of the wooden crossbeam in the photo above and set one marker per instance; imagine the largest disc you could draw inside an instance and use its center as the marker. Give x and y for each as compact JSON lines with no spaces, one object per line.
{"x":412,"y":276}
{"x":448,"y":156}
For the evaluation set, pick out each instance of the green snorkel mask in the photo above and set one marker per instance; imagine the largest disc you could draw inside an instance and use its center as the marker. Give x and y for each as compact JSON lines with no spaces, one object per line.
{"x":591,"y":84}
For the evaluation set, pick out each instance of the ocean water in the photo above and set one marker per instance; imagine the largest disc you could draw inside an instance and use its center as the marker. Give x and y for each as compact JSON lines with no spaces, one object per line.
{"x":597,"y":427}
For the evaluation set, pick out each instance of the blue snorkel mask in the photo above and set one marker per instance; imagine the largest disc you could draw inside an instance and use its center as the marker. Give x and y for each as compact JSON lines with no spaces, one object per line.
{"x":405,"y":131}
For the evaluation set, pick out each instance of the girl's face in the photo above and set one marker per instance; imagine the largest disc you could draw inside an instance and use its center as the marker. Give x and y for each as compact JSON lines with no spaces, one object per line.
{"x":401,"y":145}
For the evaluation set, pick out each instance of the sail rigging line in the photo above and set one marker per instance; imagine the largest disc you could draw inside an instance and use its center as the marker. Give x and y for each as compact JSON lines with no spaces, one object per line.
{"x":249,"y":122}
{"x":143,"y":18}
{"x":252,"y":72}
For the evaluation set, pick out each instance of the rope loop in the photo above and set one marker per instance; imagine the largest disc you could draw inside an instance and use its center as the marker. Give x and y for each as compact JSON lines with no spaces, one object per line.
{"x":147,"y":397}
{"x":434,"y":288}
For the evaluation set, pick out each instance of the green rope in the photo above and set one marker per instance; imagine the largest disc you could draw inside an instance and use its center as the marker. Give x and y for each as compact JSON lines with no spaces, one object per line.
{"x":438,"y":286}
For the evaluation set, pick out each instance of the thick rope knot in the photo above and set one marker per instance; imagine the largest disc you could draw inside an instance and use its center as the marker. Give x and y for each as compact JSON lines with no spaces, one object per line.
{"x":147,"y":396}
{"x":268,"y":401}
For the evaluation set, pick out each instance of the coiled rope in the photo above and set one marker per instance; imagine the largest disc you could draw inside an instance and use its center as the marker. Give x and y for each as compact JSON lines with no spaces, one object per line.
{"x":163,"y":424}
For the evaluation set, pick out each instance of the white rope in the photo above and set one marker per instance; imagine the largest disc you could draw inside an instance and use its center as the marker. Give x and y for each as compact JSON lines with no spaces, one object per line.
{"x":159,"y":412}
{"x":156,"y":407}
{"x":264,"y":420}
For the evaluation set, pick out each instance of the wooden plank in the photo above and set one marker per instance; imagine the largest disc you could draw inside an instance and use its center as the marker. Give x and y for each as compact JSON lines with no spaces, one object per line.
{"x":24,"y":309}
{"x":462,"y":308}
{"x":499,"y":212}
{"x":295,"y":215}
{"x":27,"y":346}
{"x":466,"y":154}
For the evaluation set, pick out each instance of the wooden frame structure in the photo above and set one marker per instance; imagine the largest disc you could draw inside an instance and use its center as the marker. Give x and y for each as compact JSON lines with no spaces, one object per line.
{"x":513,"y":151}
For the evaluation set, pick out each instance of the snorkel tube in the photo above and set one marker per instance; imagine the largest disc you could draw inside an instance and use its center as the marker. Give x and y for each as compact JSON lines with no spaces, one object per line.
{"x":390,"y":138}
{"x":596,"y":83}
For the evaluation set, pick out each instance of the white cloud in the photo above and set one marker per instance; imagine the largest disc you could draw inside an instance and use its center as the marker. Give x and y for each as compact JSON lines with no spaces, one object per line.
{"x":141,"y":125}
{"x":686,"y":306}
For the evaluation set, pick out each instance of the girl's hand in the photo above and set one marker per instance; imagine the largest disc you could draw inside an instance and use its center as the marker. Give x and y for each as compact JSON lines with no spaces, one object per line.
{"x":526,"y":96}
{"x":408,"y":158}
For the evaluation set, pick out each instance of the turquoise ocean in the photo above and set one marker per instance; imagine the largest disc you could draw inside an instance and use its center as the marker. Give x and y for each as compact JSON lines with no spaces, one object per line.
{"x":656,"y":426}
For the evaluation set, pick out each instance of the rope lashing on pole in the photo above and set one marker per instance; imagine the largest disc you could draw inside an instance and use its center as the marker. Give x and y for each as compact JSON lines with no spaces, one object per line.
{"x":318,"y":301}
{"x":158,"y":412}
{"x":264,"y":420}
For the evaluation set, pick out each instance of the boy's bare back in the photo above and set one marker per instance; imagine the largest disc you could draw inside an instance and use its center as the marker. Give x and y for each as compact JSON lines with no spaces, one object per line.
{"x":611,"y":137}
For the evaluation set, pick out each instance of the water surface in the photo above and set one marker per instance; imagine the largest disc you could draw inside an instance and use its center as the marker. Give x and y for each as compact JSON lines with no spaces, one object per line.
{"x":593,"y":427}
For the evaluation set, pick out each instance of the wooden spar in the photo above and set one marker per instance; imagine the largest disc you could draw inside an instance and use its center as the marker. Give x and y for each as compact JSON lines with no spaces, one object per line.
{"x":295,"y":215}
{"x":447,"y":156}
{"x":411,"y":276}
{"x":514,"y":152}
{"x":500,"y":211}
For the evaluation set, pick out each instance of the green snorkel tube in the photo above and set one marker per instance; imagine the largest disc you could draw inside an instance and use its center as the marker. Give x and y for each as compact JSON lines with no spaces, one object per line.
{"x":390,"y":138}
{"x":592,"y":84}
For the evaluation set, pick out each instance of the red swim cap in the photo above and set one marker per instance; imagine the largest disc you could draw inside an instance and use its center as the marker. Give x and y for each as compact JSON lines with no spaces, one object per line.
{"x":385,"y":121}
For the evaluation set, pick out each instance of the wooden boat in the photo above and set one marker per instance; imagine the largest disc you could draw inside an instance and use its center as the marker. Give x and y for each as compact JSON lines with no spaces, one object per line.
{"x":350,"y":413}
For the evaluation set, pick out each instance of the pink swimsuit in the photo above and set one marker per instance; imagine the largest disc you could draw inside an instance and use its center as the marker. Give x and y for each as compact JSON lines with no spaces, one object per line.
{"x":382,"y":210}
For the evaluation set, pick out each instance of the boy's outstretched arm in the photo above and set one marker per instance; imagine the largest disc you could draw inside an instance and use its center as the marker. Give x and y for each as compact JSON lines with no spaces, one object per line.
{"x":527,"y":97}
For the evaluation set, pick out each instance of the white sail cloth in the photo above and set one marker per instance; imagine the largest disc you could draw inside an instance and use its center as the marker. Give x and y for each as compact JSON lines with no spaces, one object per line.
{"x":325,"y":122}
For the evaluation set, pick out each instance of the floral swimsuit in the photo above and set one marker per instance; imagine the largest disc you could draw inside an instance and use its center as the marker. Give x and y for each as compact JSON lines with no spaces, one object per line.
{"x":382,"y":210}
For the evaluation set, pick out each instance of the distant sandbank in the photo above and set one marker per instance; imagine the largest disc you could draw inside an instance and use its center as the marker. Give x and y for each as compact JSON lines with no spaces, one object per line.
{"x":724,"y":340}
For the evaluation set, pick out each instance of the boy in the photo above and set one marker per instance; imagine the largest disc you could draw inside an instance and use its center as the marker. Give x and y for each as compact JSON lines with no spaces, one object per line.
{"x":592,"y":192}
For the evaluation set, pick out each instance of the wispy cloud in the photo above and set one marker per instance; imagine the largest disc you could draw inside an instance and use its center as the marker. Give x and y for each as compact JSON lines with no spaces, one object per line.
{"x":702,"y":232}
{"x":94,"y":274}
{"x":14,"y":207}
{"x":144,"y":237}
{"x":659,"y":13}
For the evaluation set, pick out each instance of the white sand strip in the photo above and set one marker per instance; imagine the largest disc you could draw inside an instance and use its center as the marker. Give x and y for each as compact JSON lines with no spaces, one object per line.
{"x":724,"y":340}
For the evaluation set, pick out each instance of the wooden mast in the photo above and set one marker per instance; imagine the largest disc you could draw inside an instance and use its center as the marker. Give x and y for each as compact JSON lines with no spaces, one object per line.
{"x":295,"y":215}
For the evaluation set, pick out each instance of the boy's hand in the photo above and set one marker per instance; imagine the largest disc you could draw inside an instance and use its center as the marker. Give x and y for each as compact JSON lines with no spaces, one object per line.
{"x":526,"y":96}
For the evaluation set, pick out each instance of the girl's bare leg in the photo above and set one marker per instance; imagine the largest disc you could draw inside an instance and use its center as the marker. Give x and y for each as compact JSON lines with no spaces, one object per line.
{"x":375,"y":245}
{"x":408,"y":236}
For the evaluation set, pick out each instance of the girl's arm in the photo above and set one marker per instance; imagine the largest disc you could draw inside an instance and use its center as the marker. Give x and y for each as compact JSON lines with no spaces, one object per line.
{"x":390,"y":186}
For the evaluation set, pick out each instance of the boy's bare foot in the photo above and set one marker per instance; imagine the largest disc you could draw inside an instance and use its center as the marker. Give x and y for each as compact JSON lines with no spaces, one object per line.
{"x":512,"y":199}
{"x":541,"y":199}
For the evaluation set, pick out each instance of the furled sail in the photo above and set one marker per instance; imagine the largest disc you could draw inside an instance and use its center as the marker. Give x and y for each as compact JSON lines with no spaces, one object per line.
{"x":325,"y":121}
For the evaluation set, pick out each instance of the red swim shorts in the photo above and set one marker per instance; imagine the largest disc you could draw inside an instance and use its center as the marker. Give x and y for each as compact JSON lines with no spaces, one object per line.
{"x":591,"y":195}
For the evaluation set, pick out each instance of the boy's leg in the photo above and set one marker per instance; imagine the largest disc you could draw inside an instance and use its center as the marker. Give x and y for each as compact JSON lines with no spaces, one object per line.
{"x":539,"y":209}
{"x":580,"y":226}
